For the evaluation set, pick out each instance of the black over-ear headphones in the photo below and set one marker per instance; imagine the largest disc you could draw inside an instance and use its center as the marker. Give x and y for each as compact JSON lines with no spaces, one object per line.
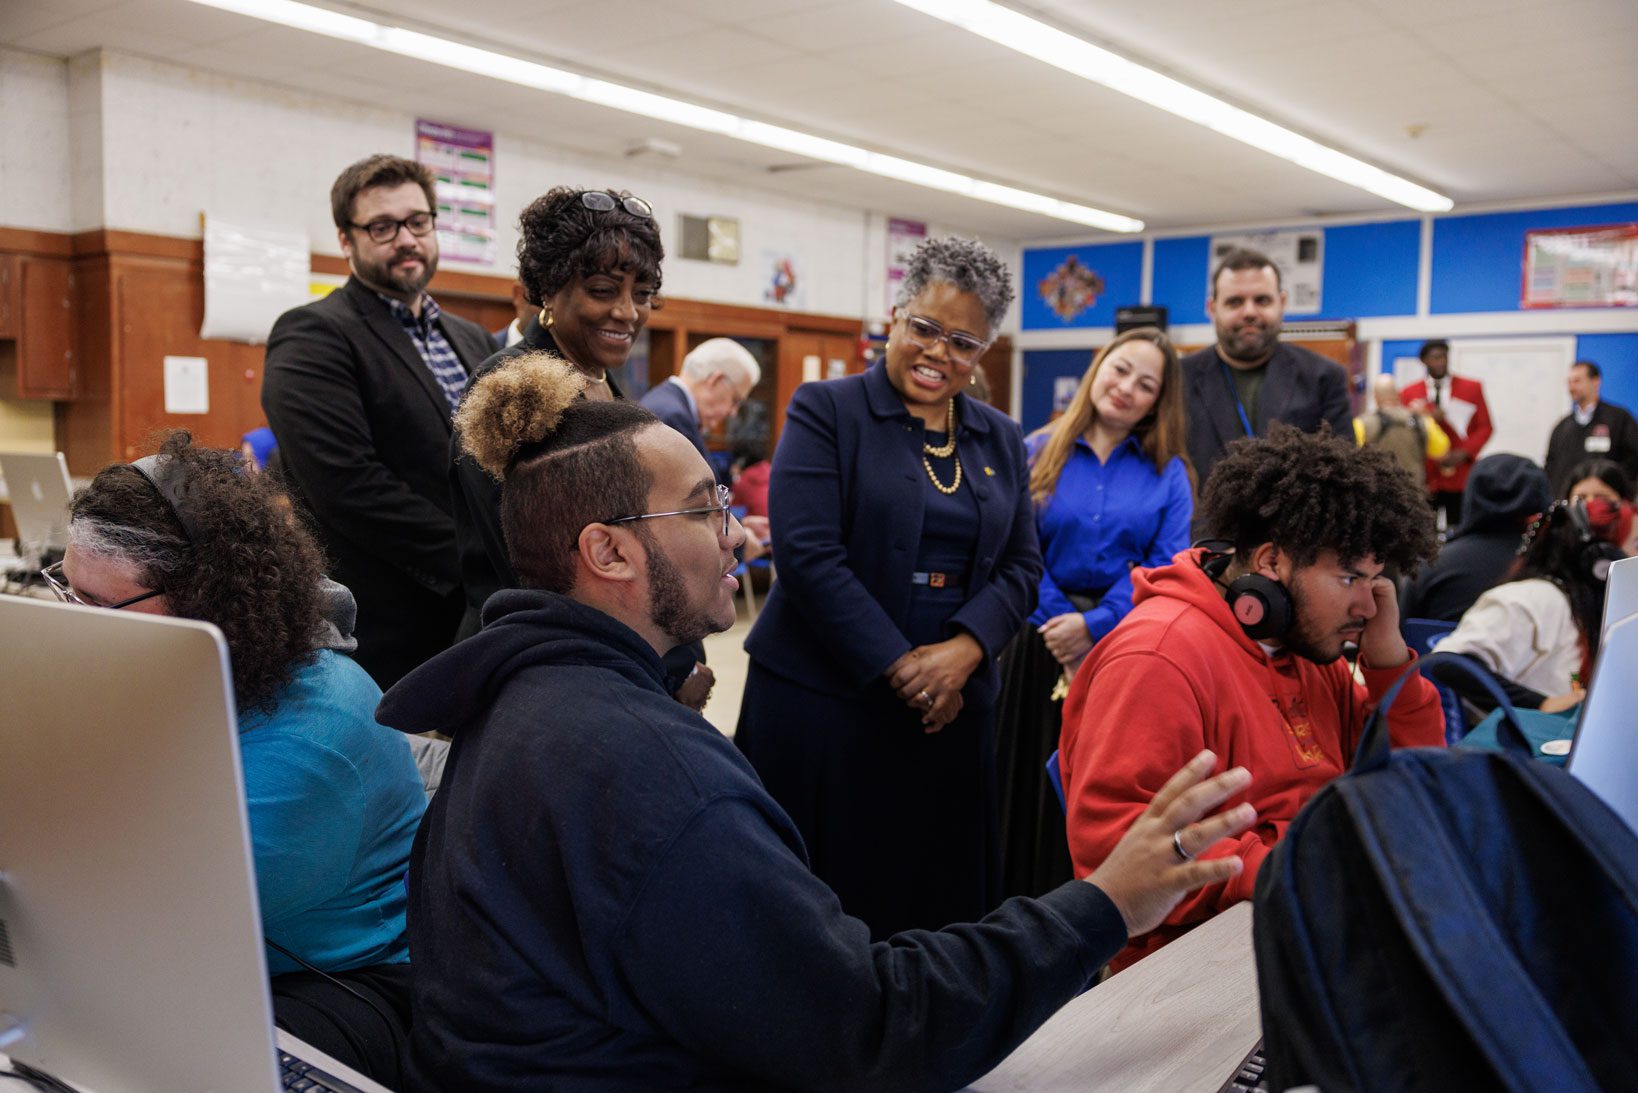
{"x":1596,"y":554}
{"x":1261,"y":606}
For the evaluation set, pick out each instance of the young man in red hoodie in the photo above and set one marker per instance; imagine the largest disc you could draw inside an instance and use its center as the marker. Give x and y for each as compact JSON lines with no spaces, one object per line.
{"x":1237,"y":646}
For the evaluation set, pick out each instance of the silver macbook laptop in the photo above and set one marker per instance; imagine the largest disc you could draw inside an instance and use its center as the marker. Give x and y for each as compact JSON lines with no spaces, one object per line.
{"x":1620,"y":593}
{"x":38,"y":489}
{"x":131,"y":950}
{"x":1604,"y":753}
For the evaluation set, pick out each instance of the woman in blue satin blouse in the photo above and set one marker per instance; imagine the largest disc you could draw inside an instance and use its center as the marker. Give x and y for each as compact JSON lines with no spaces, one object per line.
{"x":1112,"y":489}
{"x":907,"y":560}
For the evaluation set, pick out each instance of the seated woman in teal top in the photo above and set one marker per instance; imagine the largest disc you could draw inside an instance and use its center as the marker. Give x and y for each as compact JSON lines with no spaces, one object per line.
{"x":333,"y":798}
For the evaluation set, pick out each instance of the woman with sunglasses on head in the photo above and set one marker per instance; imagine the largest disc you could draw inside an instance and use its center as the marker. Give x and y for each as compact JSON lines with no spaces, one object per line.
{"x":1538,"y":630}
{"x":1112,"y":489}
{"x":333,"y":798}
{"x":590,"y":260}
{"x":907,"y":560}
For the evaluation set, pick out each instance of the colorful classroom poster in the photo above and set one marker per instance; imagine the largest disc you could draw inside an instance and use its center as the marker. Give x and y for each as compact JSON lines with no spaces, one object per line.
{"x":903,"y":236}
{"x":464,"y":162}
{"x":1581,"y":267}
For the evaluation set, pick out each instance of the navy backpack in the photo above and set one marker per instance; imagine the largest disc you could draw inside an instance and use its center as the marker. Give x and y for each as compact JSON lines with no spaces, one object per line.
{"x":1450,"y":920}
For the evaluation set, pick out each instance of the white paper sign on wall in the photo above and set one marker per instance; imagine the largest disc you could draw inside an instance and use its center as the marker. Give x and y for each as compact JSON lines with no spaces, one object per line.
{"x":187,"y":385}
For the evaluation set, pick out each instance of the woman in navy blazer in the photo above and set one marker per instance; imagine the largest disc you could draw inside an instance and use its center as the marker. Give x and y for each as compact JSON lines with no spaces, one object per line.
{"x":907,"y":560}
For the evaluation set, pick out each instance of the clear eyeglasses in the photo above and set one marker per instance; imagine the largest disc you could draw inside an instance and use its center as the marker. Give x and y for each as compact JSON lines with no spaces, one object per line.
{"x":925,"y":334}
{"x":723,"y":497}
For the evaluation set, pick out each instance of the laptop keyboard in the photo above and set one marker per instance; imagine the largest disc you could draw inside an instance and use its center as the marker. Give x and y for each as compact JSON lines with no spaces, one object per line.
{"x":303,"y":1077}
{"x":1248,"y":1076}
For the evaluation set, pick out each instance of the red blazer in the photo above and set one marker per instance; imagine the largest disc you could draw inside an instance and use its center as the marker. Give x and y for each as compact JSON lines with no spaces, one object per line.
{"x":1476,"y":436}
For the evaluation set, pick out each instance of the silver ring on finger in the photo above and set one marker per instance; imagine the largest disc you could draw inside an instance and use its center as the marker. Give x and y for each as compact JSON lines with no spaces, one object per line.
{"x":926,"y":700}
{"x":1177,"y":845}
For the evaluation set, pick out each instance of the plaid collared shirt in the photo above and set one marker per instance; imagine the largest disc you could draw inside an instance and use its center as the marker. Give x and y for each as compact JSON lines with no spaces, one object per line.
{"x":434,"y":348}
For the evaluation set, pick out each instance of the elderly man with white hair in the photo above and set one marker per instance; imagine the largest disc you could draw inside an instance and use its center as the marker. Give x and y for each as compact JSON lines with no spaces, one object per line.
{"x":716,"y":377}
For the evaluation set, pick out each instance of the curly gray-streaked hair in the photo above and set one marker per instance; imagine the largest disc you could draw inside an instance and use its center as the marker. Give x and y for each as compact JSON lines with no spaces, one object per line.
{"x":965,"y":263}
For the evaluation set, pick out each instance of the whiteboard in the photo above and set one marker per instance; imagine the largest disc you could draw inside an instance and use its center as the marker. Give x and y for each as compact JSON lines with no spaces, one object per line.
{"x":1524,"y":386}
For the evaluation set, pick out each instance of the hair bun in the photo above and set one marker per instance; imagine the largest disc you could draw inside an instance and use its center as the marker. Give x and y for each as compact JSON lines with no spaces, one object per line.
{"x":517,"y":404}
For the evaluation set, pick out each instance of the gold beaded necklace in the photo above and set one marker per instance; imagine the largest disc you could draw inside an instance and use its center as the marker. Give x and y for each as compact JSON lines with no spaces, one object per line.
{"x":943,"y":451}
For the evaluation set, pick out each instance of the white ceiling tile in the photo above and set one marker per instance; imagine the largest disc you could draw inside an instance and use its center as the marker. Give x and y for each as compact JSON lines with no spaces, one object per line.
{"x":1516,"y":97}
{"x":19,"y":20}
{"x":597,"y":36}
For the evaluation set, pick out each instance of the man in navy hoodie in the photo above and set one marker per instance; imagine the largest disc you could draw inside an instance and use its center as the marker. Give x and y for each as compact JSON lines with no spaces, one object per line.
{"x":602,"y":895}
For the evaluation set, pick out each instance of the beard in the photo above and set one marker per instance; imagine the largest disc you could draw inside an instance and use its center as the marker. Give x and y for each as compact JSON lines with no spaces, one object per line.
{"x":1248,"y":343}
{"x":1308,"y":641}
{"x":668,"y":604}
{"x":384,"y":275}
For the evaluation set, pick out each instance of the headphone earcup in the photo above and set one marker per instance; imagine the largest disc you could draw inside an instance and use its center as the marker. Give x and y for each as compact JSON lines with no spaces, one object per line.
{"x":1597,"y":554}
{"x":1596,"y":558}
{"x":1262,"y":607}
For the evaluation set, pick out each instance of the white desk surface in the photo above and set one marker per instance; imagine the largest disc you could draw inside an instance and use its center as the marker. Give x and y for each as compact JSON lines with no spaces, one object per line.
{"x":301,"y":1050}
{"x":1179,"y":1021}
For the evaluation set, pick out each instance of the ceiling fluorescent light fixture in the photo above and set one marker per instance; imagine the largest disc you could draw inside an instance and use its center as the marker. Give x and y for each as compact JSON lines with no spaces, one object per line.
{"x":1081,"y":58}
{"x":484,"y":62}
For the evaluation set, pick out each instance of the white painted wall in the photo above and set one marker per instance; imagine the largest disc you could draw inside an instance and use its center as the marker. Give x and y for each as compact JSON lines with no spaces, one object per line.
{"x":34,"y":142}
{"x":156,"y":144}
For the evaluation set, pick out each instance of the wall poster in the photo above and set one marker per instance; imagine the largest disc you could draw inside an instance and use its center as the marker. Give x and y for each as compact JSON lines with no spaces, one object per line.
{"x":903,"y":236}
{"x":464,"y":162}
{"x":1581,"y":267}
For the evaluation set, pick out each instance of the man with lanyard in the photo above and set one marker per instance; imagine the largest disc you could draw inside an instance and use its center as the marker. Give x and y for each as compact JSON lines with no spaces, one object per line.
{"x":1250,"y":379}
{"x":359,"y":390}
{"x":1593,"y":429}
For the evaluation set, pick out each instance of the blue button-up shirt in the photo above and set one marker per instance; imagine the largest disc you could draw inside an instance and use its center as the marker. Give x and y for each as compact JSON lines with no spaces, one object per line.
{"x":1103,"y":519}
{"x":434,"y":348}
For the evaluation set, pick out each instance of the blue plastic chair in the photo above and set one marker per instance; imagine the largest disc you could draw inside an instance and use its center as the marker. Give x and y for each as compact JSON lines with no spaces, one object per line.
{"x":1057,"y":780}
{"x":1422,"y":635}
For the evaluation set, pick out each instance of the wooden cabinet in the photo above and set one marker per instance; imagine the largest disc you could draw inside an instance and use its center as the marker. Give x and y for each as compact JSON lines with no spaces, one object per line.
{"x":37,"y":358}
{"x":44,"y":320}
{"x":8,"y":296}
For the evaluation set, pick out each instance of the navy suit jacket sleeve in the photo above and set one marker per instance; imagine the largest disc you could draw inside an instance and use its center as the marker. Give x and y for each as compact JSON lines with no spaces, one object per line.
{"x":807,"y":511}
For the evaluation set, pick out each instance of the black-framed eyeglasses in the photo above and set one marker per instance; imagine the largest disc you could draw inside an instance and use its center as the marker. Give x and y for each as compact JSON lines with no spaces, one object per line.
{"x":385,"y":230}
{"x":925,"y":334}
{"x":53,"y":575}
{"x":601,"y":201}
{"x":724,"y":495}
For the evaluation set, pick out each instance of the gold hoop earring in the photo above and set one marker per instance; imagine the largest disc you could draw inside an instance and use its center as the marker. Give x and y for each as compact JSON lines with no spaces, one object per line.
{"x":546,"y":319}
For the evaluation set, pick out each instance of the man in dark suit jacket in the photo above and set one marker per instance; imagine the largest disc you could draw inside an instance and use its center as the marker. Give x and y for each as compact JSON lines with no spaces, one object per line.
{"x":1250,"y":379}
{"x":359,"y":390}
{"x":1594,"y":429}
{"x":716,"y":377}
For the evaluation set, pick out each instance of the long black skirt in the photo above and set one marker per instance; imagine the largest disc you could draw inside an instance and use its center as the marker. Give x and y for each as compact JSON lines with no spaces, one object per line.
{"x":1034,"y":846}
{"x":901,"y":824}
